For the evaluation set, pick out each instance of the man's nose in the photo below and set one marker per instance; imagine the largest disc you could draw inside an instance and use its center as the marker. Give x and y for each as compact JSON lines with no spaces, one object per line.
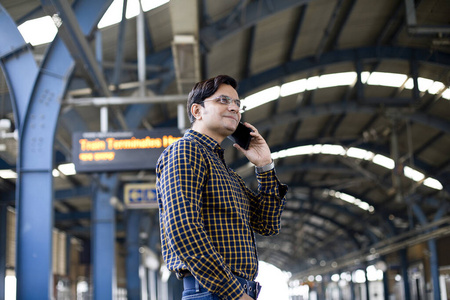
{"x":233,"y":106}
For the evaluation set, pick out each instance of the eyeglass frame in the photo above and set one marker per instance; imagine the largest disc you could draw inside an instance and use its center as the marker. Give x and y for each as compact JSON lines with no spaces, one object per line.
{"x":229,"y":100}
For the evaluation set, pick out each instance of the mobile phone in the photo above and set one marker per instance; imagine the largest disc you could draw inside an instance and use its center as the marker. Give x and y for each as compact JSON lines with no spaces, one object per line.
{"x":241,"y":136}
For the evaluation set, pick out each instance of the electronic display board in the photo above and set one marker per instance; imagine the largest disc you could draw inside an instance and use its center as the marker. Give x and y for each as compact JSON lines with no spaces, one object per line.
{"x":120,"y":151}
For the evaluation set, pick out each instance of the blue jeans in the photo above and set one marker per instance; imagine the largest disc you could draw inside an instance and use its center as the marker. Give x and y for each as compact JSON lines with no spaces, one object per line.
{"x":198,"y":294}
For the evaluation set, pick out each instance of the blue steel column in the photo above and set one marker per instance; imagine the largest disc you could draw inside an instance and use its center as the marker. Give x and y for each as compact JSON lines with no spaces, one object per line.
{"x":104,"y":238}
{"x":18,"y":64}
{"x":133,"y":257}
{"x":434,"y":265}
{"x":3,"y":213}
{"x":33,"y":236}
{"x":35,"y":161}
{"x":35,"y":193}
{"x":404,"y":265}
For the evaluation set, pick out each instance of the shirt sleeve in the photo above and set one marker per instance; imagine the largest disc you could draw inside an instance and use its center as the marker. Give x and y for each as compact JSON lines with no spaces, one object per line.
{"x":183,"y":175}
{"x":267,"y":204}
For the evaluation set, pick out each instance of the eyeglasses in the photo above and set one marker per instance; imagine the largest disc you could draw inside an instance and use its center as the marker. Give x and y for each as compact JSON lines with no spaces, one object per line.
{"x":225,"y":100}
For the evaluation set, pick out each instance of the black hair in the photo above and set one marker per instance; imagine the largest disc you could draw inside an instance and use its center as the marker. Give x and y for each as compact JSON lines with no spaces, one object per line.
{"x":205,"y":89}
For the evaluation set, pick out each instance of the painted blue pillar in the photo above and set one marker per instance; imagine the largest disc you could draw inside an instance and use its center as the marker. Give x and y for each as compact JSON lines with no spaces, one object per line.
{"x":404,"y":266}
{"x":68,"y":253}
{"x":3,"y":213}
{"x":133,"y":256}
{"x":36,"y":96}
{"x":434,"y":266}
{"x":34,"y":231}
{"x":104,"y":238}
{"x":35,"y":191}
{"x":18,"y":65}
{"x":432,"y":248}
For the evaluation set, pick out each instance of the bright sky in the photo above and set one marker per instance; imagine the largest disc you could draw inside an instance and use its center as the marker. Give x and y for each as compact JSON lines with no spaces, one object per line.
{"x":274,"y":282}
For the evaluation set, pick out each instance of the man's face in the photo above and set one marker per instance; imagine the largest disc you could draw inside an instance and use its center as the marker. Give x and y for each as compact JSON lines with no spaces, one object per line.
{"x":216,"y":119}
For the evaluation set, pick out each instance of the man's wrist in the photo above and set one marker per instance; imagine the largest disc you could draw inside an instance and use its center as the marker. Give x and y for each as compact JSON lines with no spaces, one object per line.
{"x":265,"y":168}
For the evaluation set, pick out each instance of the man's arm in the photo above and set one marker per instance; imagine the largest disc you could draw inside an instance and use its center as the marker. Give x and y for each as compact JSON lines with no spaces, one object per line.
{"x":268,"y":204}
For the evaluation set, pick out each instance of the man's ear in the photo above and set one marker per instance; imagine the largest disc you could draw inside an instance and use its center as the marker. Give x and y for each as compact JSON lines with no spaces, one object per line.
{"x":196,"y":111}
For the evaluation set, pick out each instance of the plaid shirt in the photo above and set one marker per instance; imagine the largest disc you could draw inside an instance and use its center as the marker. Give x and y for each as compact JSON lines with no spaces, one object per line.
{"x":208,"y":216}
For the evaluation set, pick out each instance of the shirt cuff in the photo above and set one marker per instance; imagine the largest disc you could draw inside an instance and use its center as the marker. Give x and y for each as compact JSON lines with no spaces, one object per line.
{"x":265,"y":168}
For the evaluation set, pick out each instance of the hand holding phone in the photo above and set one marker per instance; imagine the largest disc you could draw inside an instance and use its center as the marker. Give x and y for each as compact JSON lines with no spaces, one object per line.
{"x":241,"y":136}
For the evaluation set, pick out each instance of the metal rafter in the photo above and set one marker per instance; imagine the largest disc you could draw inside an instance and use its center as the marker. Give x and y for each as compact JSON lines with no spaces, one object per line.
{"x":253,"y":13}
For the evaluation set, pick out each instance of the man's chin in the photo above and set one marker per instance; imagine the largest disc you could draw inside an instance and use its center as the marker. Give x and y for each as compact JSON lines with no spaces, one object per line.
{"x":231,"y":126}
{"x":231,"y":129}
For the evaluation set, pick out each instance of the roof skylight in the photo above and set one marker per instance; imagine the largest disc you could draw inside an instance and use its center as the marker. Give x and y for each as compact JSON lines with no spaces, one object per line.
{"x":262,"y":97}
{"x":337,"y":79}
{"x":67,"y":169}
{"x":345,"y":78}
{"x":8,"y":174}
{"x":43,"y":30}
{"x":357,"y":153}
{"x":114,"y":13}
{"x":38,"y":31}
{"x":350,"y":199}
{"x":387,"y":79}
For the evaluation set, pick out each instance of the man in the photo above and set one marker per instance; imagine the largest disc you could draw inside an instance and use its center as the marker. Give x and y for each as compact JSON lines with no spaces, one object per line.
{"x":207,"y":214}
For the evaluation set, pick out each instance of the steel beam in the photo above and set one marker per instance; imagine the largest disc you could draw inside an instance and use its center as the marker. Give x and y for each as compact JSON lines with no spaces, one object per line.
{"x":18,"y":65}
{"x":253,"y":13}
{"x":389,"y":245}
{"x":73,"y":192}
{"x":248,"y":52}
{"x":343,"y":210}
{"x":72,"y":216}
{"x":71,"y":32}
{"x":72,"y":121}
{"x":101,"y":101}
{"x":120,"y":45}
{"x":329,"y":58}
{"x":74,"y":38}
{"x":331,"y":26}
{"x":296,"y":34}
{"x":342,"y":107}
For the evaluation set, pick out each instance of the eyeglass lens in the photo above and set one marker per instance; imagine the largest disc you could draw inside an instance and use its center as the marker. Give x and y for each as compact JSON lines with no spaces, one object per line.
{"x":227,"y":100}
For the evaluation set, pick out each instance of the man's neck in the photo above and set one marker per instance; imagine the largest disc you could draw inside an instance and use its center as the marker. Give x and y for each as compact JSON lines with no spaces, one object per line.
{"x":197,"y":127}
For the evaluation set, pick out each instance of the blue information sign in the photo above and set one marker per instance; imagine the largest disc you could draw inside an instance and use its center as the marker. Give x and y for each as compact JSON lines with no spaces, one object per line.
{"x":140,"y":195}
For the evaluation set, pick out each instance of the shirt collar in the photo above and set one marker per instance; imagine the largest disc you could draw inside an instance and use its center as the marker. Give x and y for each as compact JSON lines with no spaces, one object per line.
{"x":203,"y":138}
